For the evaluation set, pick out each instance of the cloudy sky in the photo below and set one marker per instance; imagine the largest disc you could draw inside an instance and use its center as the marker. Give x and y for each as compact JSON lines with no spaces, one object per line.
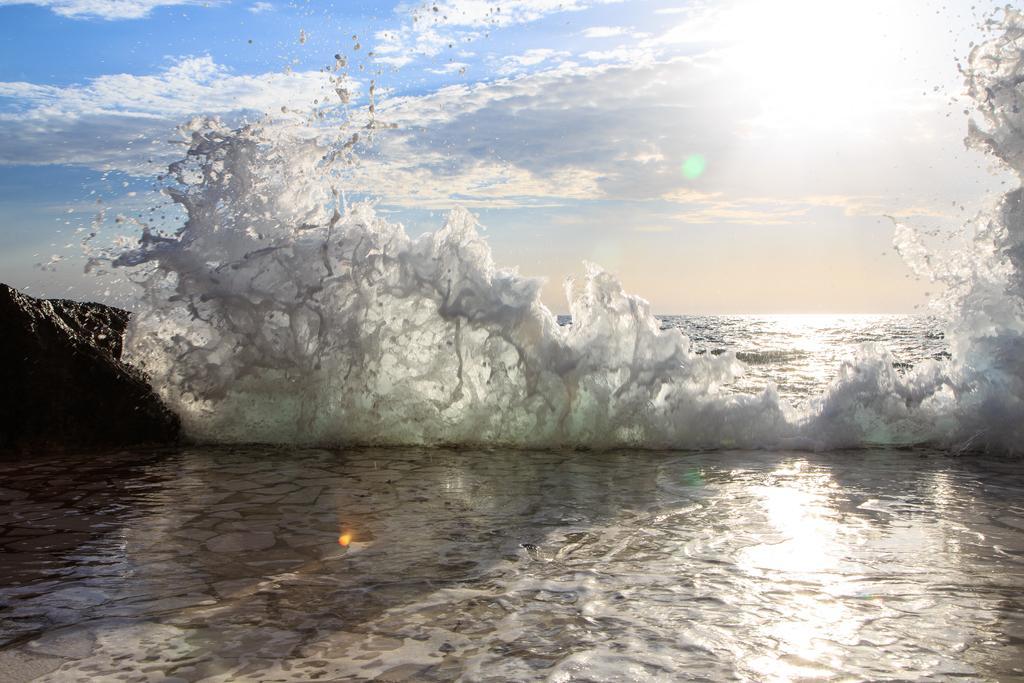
{"x":739,"y":156}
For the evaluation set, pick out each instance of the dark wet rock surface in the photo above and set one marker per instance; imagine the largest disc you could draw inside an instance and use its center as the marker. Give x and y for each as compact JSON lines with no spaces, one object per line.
{"x":63,"y":383}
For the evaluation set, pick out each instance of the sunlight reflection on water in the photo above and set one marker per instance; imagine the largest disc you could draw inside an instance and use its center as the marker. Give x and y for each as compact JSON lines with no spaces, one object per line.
{"x":500,"y":565}
{"x":809,"y":549}
{"x":801,"y":353}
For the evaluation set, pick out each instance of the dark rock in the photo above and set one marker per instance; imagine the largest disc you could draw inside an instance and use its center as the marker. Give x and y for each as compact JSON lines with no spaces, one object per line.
{"x":62,"y":383}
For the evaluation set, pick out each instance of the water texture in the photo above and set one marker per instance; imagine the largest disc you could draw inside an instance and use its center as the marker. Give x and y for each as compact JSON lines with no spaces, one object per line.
{"x":436,"y":565}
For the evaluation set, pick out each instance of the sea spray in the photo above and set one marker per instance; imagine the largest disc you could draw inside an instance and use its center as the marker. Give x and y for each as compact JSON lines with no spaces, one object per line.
{"x":279,"y":313}
{"x":979,"y":397}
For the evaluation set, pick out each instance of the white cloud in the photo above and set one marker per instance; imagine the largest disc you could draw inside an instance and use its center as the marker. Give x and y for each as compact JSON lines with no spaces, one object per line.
{"x":616,"y":131}
{"x":113,"y":120}
{"x":451,"y":68}
{"x":515,"y":63}
{"x":260,"y":7}
{"x":718,"y":208}
{"x":624,"y":55}
{"x":490,"y":13}
{"x":190,"y":85}
{"x":419,"y":181}
{"x":401,"y":46}
{"x":561,"y":135}
{"x":620,"y":132}
{"x":106,"y":9}
{"x":623,"y":128}
{"x":603,"y":31}
{"x":427,"y":29}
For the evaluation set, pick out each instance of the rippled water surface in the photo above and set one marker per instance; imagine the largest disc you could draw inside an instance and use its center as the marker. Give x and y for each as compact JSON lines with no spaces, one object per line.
{"x":263,"y":564}
{"x":800,"y":354}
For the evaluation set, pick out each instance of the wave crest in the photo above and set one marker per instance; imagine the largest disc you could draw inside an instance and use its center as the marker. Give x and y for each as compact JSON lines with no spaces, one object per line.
{"x":279,"y":313}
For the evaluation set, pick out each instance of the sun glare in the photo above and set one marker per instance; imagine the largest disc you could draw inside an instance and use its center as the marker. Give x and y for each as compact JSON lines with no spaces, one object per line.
{"x":819,"y":64}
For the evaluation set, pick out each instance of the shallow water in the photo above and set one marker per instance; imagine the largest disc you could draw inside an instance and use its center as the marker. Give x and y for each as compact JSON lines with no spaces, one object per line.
{"x":225,"y":565}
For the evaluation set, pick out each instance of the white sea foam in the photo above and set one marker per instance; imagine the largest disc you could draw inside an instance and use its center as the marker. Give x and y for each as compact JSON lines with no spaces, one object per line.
{"x":280,"y":314}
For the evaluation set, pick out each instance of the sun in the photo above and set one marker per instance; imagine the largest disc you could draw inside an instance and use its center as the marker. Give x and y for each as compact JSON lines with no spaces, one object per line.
{"x":813,"y":64}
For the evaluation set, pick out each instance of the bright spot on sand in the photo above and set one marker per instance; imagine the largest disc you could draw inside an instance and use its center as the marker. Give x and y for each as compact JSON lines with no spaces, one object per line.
{"x":694,"y":166}
{"x":345,"y":539}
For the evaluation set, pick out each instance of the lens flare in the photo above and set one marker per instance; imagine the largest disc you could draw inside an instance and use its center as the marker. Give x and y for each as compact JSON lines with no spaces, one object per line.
{"x":693,"y":166}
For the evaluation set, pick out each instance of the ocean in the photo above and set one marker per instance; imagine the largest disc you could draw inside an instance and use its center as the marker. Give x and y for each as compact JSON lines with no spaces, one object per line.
{"x":406,"y":564}
{"x":450,"y":482}
{"x":287,"y":563}
{"x":801,"y":354}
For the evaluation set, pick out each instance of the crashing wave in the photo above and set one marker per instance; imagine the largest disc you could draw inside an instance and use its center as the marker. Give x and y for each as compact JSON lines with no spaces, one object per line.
{"x":279,"y":313}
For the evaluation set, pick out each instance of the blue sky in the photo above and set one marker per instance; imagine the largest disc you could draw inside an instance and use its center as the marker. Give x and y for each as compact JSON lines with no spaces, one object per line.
{"x":566,"y":126}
